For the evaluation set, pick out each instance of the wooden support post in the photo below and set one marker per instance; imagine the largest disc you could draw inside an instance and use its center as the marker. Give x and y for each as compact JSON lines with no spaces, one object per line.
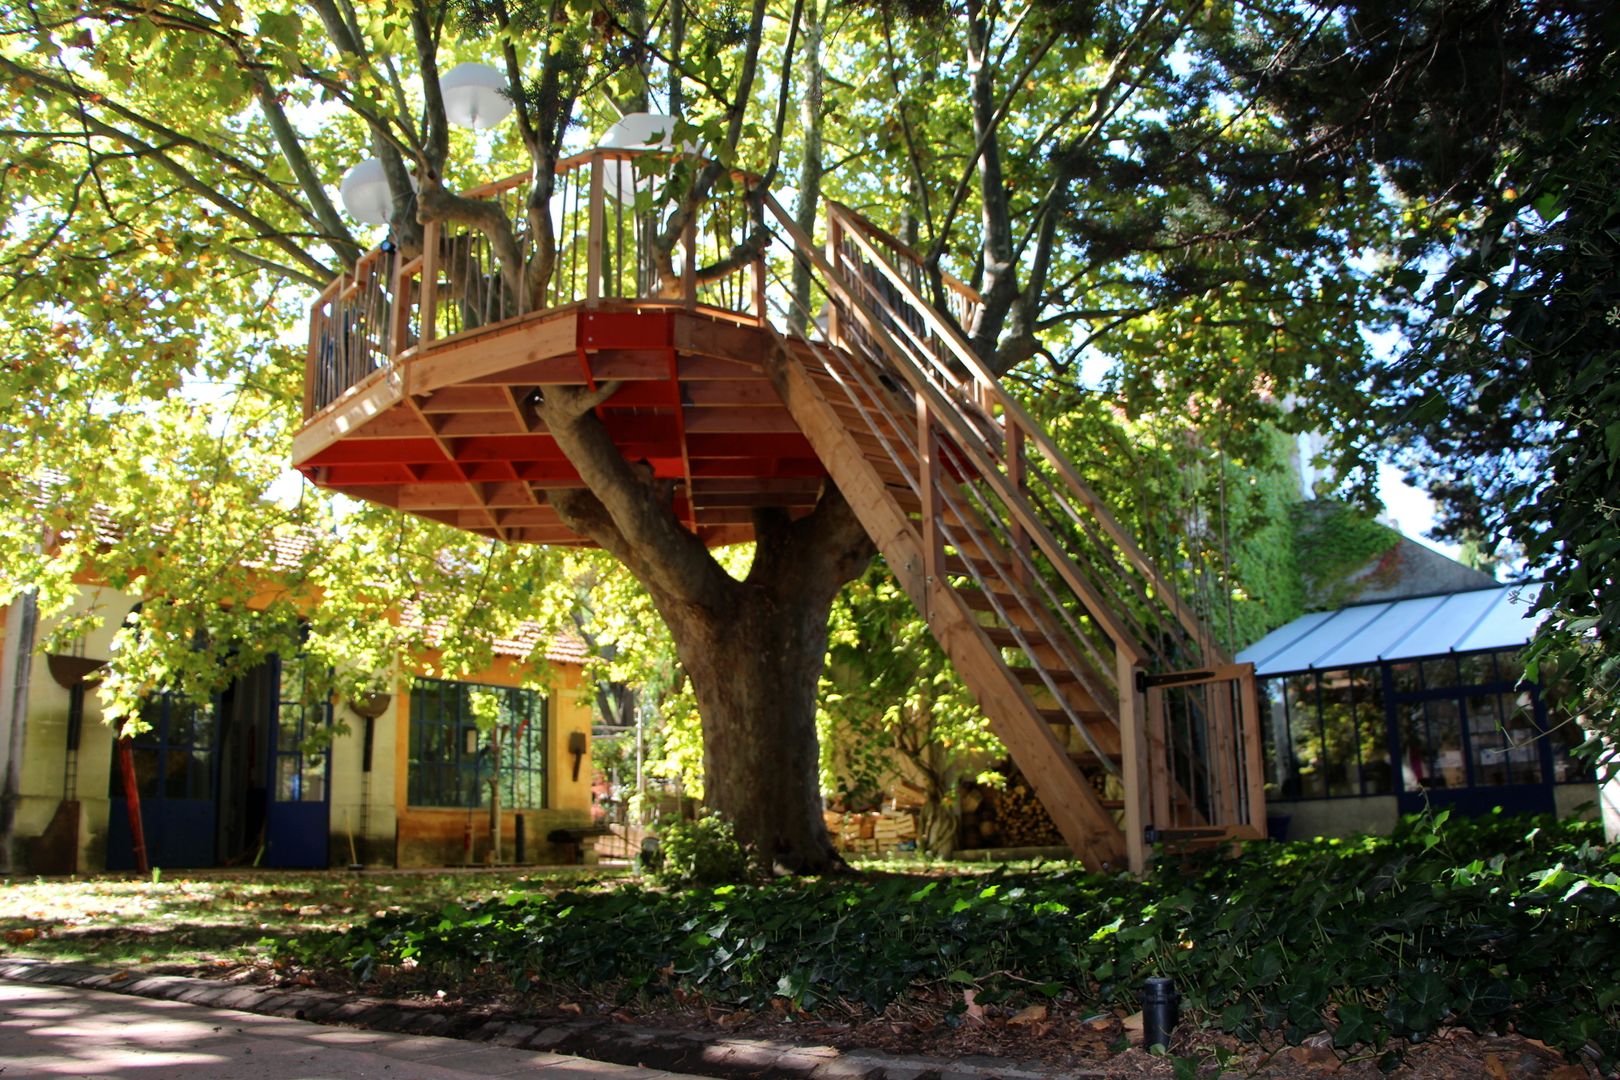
{"x":1223,"y":768}
{"x":689,"y":264}
{"x":1018,"y":477}
{"x":399,"y":325}
{"x":835,"y":240}
{"x":1160,"y":801}
{"x":317,"y":327}
{"x":596,"y":227}
{"x":1133,"y":763}
{"x":132,"y":799}
{"x":430,"y":282}
{"x":1254,"y":766}
{"x":928,"y":476}
{"x":759,"y":290}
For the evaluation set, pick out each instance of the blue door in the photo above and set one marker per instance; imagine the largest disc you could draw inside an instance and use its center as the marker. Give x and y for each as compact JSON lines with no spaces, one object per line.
{"x":297,"y":817}
{"x":175,"y":777}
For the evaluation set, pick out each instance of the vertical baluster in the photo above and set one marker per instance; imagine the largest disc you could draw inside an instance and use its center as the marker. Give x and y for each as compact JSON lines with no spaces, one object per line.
{"x":1135,"y":771}
{"x":430,"y":282}
{"x":835,"y":241}
{"x":928,"y":468}
{"x":593,"y":266}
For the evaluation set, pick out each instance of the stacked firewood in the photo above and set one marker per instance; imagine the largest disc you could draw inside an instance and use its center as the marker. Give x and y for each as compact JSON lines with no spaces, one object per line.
{"x":1009,"y":816}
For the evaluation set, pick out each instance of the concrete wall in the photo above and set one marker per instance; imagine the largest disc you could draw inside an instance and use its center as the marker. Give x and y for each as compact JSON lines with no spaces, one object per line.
{"x":1336,"y":817}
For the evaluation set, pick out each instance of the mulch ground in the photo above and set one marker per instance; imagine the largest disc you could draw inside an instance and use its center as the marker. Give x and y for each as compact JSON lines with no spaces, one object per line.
{"x":1053,"y":1039}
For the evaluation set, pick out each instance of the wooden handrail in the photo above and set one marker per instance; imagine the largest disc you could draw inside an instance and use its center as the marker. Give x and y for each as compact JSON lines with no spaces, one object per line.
{"x":965,"y":436}
{"x":854,"y":226}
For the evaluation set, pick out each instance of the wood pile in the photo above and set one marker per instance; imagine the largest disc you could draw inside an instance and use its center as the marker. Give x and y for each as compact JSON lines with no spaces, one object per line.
{"x":1010,"y":816}
{"x":873,"y":832}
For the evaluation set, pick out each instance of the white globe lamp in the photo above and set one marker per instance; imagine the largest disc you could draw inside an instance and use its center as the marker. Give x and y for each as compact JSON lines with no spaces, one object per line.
{"x":636,"y":131}
{"x":475,"y":95}
{"x":365,"y":193}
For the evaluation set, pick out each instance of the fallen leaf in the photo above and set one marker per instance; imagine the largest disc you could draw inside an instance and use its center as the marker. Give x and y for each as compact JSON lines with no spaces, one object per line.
{"x":1494,"y":1066}
{"x":1034,"y":1014}
{"x":1132,"y":1025}
{"x":570,"y":1008}
{"x":622,"y":1017}
{"x":975,"y":1011}
{"x":21,"y":937}
{"x":1568,"y":1072}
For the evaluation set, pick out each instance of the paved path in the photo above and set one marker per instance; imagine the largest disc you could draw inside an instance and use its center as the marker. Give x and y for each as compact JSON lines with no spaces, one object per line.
{"x":66,"y":1031}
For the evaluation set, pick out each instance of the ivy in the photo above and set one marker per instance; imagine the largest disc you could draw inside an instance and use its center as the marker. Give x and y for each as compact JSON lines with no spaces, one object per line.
{"x":1485,"y":924}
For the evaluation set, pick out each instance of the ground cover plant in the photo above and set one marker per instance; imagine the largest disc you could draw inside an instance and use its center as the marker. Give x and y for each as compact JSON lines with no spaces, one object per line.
{"x":1494,"y":925}
{"x":176,"y":920}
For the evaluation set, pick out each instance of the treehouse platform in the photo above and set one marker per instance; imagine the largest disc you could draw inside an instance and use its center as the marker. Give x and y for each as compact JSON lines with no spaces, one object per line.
{"x":746,"y":366}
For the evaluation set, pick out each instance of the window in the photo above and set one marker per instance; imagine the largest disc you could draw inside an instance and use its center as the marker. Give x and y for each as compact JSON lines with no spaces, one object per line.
{"x":300,"y":713}
{"x":174,"y":758}
{"x":457,"y":730}
{"x":1327,"y":736}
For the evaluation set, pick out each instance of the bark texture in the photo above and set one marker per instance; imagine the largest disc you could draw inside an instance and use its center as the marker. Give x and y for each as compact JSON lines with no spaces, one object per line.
{"x":753,"y":648}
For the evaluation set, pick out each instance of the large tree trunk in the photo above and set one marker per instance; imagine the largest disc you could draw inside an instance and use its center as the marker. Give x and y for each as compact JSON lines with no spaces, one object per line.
{"x":755,"y":666}
{"x":753,"y":648}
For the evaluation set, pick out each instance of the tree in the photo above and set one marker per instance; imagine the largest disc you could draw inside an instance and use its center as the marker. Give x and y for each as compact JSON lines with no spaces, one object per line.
{"x":1495,"y":122}
{"x":1106,"y":176}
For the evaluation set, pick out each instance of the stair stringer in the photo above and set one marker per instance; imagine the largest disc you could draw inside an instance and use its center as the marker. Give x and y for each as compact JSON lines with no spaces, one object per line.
{"x":1086,"y":825}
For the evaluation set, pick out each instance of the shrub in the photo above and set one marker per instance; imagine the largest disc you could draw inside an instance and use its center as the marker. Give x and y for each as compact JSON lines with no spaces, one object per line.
{"x":701,"y":852}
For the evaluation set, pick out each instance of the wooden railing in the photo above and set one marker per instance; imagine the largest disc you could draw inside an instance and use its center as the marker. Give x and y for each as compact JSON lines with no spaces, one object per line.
{"x":1002,"y":508}
{"x":605,"y":210}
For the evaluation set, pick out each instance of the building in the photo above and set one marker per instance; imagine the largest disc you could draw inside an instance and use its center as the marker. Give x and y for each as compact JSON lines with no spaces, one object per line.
{"x":1385,"y":706}
{"x":231,"y":782}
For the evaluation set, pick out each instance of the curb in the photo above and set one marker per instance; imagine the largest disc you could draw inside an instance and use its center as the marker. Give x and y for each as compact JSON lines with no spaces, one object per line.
{"x":694,"y":1052}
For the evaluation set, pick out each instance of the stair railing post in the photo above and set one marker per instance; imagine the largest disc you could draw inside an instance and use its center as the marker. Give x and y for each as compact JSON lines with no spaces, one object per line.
{"x":928,"y":467}
{"x":1253,"y":754}
{"x":430,"y":282}
{"x":1018,"y":476}
{"x":399,"y":329}
{"x":835,"y":241}
{"x":689,"y":264}
{"x":1135,"y":770}
{"x":596,"y":226}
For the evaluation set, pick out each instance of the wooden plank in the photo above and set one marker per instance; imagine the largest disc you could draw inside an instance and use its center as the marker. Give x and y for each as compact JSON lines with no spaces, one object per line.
{"x":347,"y":415}
{"x":706,"y":421}
{"x":1134,"y":764}
{"x":596,"y":228}
{"x":699,"y":336}
{"x":487,"y":398}
{"x":473,"y":359}
{"x":1254,"y":767}
{"x":1160,"y":782}
{"x":430,"y":282}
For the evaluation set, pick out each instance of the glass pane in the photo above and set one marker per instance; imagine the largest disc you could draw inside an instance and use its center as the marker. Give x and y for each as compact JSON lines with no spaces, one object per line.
{"x":1445,"y":731}
{"x":1439,"y":673}
{"x":1306,"y":734}
{"x":200,"y":775}
{"x":1477,"y":669}
{"x":146,"y":771}
{"x":1485,"y":740}
{"x":1337,"y":704}
{"x":287,"y":777}
{"x":1377,"y":774}
{"x":1522,"y":737}
{"x":1417,"y":749}
{"x":1509,"y":666}
{"x":1565,"y":734}
{"x":314,"y":779}
{"x":1407,"y":679}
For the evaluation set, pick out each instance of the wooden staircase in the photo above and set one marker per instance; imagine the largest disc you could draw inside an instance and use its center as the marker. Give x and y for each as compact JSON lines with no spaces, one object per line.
{"x":1108,"y":691}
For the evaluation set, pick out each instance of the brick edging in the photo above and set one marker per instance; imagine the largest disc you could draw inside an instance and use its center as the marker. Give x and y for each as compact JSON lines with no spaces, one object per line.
{"x":598,"y":1039}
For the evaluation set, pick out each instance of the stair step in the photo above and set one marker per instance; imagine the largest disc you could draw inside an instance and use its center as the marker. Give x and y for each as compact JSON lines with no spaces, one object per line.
{"x":1030,"y":676}
{"x":1007,"y":639}
{"x":996,"y":575}
{"x":1085,"y":716}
